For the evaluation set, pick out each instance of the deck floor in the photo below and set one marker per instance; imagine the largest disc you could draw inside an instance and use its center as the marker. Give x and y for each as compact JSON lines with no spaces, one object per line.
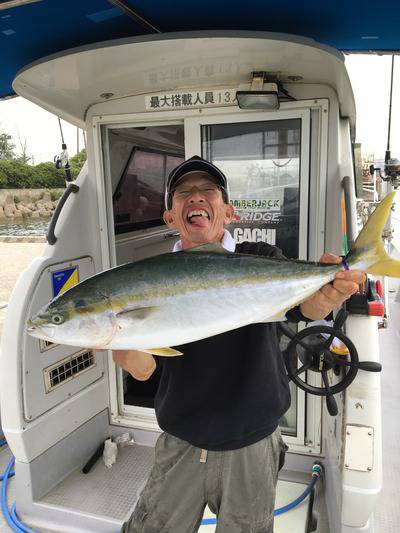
{"x":125,"y":480}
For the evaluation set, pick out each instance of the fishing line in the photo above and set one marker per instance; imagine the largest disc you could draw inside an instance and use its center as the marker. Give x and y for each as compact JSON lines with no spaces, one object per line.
{"x":344,"y":227}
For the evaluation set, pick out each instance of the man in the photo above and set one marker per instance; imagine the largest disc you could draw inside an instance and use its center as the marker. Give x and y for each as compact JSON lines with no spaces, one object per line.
{"x":220,"y":403}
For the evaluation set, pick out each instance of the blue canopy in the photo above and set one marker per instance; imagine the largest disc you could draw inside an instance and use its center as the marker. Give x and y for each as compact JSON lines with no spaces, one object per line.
{"x":33,"y":29}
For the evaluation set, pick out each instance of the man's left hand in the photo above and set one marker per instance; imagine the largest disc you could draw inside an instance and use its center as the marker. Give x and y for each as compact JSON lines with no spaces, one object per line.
{"x":332,"y":295}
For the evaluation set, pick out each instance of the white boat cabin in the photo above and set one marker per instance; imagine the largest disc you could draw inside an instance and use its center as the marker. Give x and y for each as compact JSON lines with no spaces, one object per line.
{"x":147,"y":103}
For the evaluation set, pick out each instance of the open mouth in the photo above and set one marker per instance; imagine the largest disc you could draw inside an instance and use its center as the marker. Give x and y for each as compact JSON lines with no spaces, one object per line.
{"x":198,"y":217}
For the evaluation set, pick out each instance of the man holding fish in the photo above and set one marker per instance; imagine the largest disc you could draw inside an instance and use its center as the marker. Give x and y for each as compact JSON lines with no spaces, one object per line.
{"x":219,"y":404}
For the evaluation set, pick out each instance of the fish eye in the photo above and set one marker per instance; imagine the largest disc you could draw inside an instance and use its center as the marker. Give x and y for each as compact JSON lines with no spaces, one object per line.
{"x":57,"y":319}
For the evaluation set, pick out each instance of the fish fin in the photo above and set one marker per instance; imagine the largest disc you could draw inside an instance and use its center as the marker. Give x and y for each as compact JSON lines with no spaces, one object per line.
{"x":135,"y":314}
{"x":165,"y":352}
{"x":279,"y":317}
{"x":369,"y":245}
{"x":213,"y":247}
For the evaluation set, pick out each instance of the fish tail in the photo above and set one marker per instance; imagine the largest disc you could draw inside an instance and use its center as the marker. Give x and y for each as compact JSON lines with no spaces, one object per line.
{"x":368,"y":250}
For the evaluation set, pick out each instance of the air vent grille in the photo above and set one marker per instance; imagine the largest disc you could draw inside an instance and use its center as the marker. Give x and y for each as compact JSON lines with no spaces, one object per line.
{"x":68,"y":369}
{"x":46,"y":345}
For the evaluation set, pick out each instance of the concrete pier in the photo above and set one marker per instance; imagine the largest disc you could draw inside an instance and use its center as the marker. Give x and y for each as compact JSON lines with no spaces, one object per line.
{"x":14,"y":258}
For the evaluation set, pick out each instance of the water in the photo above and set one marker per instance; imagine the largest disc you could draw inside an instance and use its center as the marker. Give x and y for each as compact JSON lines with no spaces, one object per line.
{"x":24,"y":227}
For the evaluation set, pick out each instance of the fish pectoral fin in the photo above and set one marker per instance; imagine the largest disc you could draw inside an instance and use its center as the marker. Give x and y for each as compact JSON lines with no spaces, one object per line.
{"x":278,"y":317}
{"x":137,"y":314}
{"x":165,"y":352}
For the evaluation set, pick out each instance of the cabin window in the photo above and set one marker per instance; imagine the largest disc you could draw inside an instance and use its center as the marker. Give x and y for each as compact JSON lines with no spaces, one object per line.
{"x":140,"y":160}
{"x":139,"y":198}
{"x":262,"y":163}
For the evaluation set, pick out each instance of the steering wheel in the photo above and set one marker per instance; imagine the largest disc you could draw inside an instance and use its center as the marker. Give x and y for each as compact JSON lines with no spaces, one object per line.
{"x":313,"y":348}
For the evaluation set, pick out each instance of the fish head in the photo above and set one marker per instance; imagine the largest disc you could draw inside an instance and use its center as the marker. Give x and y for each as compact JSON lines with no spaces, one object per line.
{"x":75,"y":319}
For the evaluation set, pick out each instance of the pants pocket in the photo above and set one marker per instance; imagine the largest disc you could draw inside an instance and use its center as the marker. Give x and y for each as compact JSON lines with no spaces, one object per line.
{"x":282,"y":454}
{"x":283,"y":448}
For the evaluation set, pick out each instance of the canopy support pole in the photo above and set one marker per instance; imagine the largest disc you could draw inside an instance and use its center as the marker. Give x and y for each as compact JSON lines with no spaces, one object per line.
{"x":134,"y":15}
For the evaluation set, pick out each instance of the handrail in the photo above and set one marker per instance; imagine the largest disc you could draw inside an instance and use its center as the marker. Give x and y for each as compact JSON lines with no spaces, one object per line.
{"x":51,"y":238}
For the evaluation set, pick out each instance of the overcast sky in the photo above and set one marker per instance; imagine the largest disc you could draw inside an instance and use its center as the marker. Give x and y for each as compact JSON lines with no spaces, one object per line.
{"x":369,"y":74}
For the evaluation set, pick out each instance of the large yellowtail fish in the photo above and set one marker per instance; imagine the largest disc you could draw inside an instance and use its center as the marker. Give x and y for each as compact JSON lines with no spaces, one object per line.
{"x":175,"y":298}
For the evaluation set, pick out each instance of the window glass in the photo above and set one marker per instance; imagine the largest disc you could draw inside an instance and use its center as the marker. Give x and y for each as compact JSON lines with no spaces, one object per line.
{"x":138,"y":199}
{"x":262,"y":163}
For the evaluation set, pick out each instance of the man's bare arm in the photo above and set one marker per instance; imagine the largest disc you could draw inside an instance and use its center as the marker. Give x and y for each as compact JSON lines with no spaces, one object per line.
{"x":140,"y":365}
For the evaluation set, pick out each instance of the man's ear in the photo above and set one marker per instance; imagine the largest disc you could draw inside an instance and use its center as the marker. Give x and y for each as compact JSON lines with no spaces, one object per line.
{"x":229,"y":214}
{"x":169,"y":219}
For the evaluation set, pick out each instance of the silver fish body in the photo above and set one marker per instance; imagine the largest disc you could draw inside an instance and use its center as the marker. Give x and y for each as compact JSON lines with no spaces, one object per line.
{"x":176,"y":298}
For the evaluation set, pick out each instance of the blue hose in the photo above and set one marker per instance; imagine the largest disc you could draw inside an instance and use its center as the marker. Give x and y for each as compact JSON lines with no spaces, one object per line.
{"x":11,"y":475}
{"x":12,"y":519}
{"x":18,"y":521}
{"x":6,"y":512}
{"x":316,"y":472}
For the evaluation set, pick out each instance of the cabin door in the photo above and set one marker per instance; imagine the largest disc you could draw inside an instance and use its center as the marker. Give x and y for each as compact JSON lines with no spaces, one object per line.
{"x":265,"y":157}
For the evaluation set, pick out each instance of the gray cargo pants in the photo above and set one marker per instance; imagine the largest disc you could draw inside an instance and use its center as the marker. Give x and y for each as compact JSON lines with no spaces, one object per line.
{"x":238,"y":486}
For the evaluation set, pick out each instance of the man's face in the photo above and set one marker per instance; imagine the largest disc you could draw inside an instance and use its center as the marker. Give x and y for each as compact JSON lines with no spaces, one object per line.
{"x":198,"y":210}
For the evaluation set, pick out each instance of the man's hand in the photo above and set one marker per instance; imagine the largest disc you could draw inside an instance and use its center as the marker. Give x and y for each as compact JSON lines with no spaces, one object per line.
{"x":140,"y":365}
{"x":332,"y":295}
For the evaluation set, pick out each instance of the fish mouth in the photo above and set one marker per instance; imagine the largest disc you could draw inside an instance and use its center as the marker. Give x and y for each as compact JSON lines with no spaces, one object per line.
{"x":31,"y":326}
{"x":41,"y":332}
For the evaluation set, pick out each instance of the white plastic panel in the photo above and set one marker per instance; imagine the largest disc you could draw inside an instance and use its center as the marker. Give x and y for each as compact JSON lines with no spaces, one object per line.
{"x":29,"y":438}
{"x":360,"y":489}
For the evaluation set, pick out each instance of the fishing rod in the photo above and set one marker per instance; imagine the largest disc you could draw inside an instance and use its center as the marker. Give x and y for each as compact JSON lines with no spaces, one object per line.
{"x":61,"y":160}
{"x":391,"y":172}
